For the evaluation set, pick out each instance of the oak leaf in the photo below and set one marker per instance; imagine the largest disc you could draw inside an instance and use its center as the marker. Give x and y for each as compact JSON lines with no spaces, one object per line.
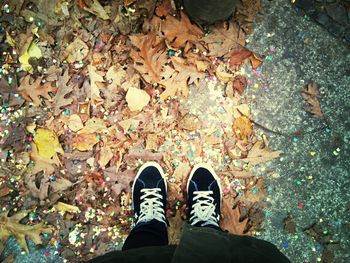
{"x":34,"y":91}
{"x":260,"y":154}
{"x":179,"y":32}
{"x":230,"y":218}
{"x":119,"y":181}
{"x":311,"y":95}
{"x":223,"y":39}
{"x":150,"y":59}
{"x":11,"y":226}
{"x":63,"y":90}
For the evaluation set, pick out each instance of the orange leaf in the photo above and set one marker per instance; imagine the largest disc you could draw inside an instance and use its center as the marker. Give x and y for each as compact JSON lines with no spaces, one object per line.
{"x":255,"y":61}
{"x":85,"y":141}
{"x":243,"y":128}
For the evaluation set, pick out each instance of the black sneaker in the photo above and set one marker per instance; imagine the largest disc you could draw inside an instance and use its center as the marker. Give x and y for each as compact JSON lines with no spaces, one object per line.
{"x":149,"y":192}
{"x":204,"y":196}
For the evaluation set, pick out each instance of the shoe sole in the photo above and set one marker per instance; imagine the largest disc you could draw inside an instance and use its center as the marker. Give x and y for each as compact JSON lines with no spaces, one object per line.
{"x":143,"y":167}
{"x":211,"y":170}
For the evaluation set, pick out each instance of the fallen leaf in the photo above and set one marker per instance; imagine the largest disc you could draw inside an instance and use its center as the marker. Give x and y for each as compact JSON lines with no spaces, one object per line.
{"x":230,"y":219}
{"x":255,"y":192}
{"x":179,"y":32}
{"x":76,"y":51}
{"x":116,"y":74}
{"x":175,"y":228}
{"x":32,"y":52}
{"x":224,"y":38}
{"x":222,"y":75}
{"x":255,"y":61}
{"x":85,"y":141}
{"x":95,"y":82}
{"x":47,"y":143}
{"x":311,"y":94}
{"x":240,"y":84}
{"x":105,"y":156}
{"x":42,"y":164}
{"x":152,"y":142}
{"x":94,"y":125}
{"x":63,"y":89}
{"x":241,"y":109}
{"x":97,"y":9}
{"x":60,"y":206}
{"x":137,"y":99}
{"x":243,"y":128}
{"x":190,"y":122}
{"x":35,"y":91}
{"x":11,"y":226}
{"x":260,"y":154}
{"x":119,"y":181}
{"x":75,"y":123}
{"x":182,"y":171}
{"x":129,"y":124}
{"x":150,"y":59}
{"x":239,"y":56}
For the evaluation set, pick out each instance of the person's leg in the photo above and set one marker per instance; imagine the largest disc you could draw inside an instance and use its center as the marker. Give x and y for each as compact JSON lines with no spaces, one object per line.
{"x":149,"y":201}
{"x":204,"y":196}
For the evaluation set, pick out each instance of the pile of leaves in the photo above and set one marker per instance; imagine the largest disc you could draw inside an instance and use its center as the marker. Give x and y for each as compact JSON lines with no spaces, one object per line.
{"x":91,"y":90}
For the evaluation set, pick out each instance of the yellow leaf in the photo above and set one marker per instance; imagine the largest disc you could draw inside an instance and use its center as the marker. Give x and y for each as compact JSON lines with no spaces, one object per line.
{"x":47,"y":143}
{"x":32,"y":52}
{"x":60,"y":206}
{"x":9,"y":40}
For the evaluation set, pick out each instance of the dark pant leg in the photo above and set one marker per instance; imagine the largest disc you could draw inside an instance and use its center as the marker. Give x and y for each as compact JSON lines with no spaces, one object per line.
{"x":153,"y":233}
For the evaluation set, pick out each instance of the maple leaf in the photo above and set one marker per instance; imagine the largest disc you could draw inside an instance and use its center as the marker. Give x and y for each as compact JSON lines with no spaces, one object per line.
{"x":223,"y":39}
{"x":11,"y":226}
{"x":230,"y":218}
{"x":34,"y":91}
{"x":63,"y":89}
{"x":260,"y":154}
{"x":150,"y":59}
{"x":179,"y":32}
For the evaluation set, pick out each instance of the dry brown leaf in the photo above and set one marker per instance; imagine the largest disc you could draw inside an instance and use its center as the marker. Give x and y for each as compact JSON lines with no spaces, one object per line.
{"x":239,"y":56}
{"x":119,"y":181}
{"x":97,"y":9}
{"x":224,"y":38}
{"x":240,"y":84}
{"x":179,"y":32}
{"x":181,"y":172}
{"x":63,"y":89}
{"x":85,"y":141}
{"x":256,"y":192}
{"x":190,"y":122}
{"x":94,"y":125}
{"x":76,"y":51}
{"x":96,"y":81}
{"x":243,"y":128}
{"x":75,"y":123}
{"x":33,"y":92}
{"x":230,"y":219}
{"x":311,"y":94}
{"x":137,"y":99}
{"x":152,"y":142}
{"x":150,"y":59}
{"x":255,"y":60}
{"x":116,"y":74}
{"x":11,"y":226}
{"x":260,"y":154}
{"x":105,"y":156}
{"x":175,"y":228}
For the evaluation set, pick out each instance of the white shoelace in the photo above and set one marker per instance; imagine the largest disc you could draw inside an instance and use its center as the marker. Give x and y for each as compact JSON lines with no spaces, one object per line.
{"x":151,"y":206}
{"x":203,"y":209}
